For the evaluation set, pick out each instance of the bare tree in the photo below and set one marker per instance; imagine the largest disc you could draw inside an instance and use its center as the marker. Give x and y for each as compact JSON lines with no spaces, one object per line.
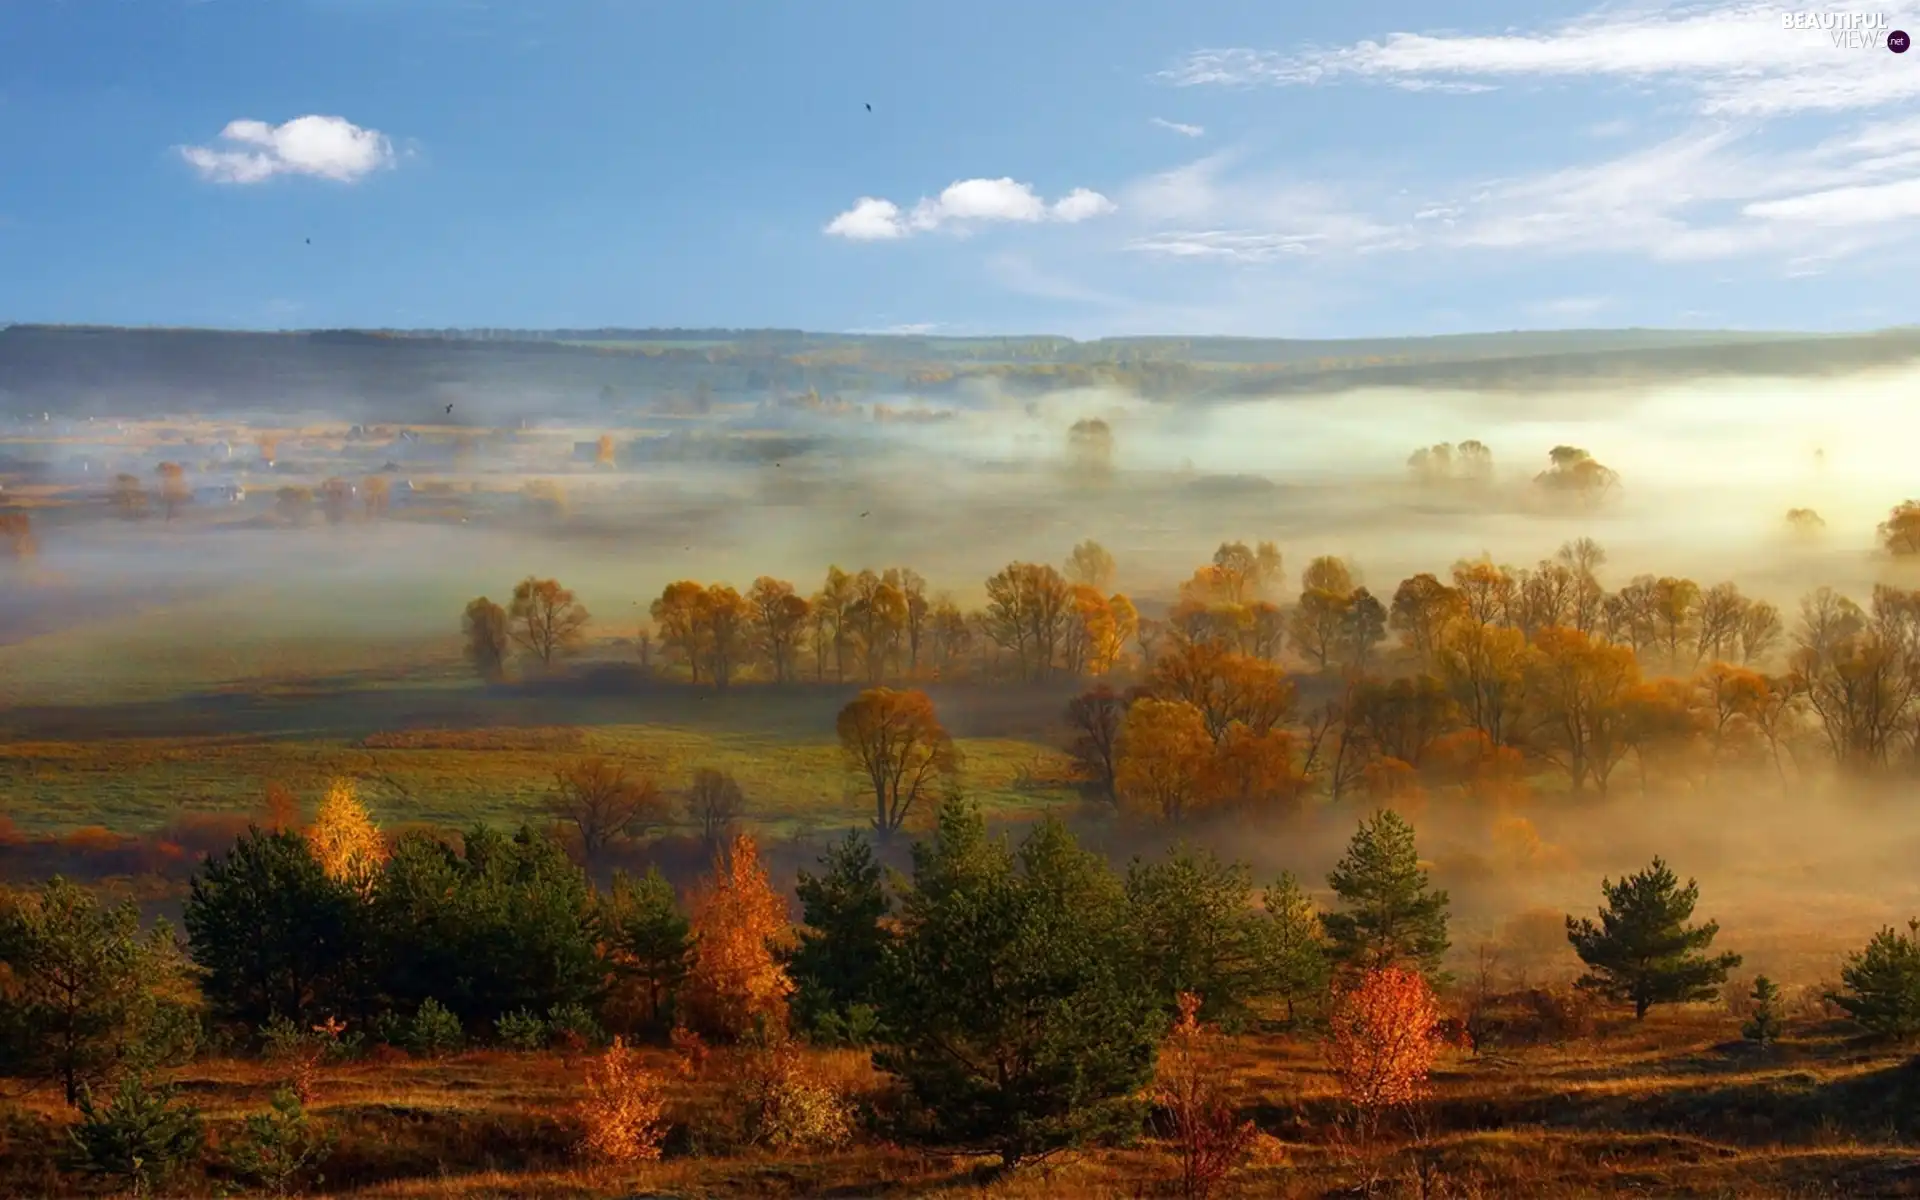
{"x":715,"y":803}
{"x":604,"y":804}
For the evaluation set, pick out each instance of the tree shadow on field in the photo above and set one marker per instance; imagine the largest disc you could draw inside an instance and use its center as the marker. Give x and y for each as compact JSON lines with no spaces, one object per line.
{"x":351,"y":705}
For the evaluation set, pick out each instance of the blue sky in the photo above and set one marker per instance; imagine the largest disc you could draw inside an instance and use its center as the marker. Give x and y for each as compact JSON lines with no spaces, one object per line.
{"x":1065,"y":167}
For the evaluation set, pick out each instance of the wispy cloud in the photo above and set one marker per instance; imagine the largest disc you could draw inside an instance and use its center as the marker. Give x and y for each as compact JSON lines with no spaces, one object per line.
{"x":1736,"y":59}
{"x":963,"y":205}
{"x":1192,"y":131}
{"x":325,"y":147}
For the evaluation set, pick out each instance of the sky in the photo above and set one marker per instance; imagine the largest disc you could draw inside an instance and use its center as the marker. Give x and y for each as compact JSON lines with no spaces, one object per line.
{"x":1076,"y":168}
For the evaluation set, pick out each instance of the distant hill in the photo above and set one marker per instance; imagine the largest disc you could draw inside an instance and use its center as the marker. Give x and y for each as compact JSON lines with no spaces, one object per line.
{"x":494,"y":376}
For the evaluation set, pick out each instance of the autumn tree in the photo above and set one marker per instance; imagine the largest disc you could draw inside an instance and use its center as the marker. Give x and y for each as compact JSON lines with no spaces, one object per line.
{"x":1805,"y":523}
{"x":715,"y":805}
{"x":603,"y":451}
{"x":1484,"y":668}
{"x":545,"y":618}
{"x":1421,"y":610}
{"x":877,"y":616}
{"x":1226,"y":688}
{"x":83,"y":989}
{"x":1578,"y":692}
{"x":1574,"y":472}
{"x":895,"y":743}
{"x":1643,"y":950}
{"x":1900,"y":532}
{"x":1392,"y":915}
{"x":1094,"y":720}
{"x":604,"y":804}
{"x":727,"y":617}
{"x":484,"y":628}
{"x":1382,"y":1039}
{"x":1090,"y":449}
{"x":1027,"y":611}
{"x":346,"y":843}
{"x":1165,"y":759}
{"x":622,"y":1113}
{"x":16,"y":536}
{"x":741,"y":930}
{"x":779,"y":619}
{"x":681,"y":619}
{"x":832,"y":632}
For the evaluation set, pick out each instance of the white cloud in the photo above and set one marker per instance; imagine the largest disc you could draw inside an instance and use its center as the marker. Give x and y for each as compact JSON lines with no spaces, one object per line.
{"x":869,"y":220}
{"x":963,"y":204}
{"x":1192,"y":131}
{"x":326,"y":147}
{"x":1735,"y":58}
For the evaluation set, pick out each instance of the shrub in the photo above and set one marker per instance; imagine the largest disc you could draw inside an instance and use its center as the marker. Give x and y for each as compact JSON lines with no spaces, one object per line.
{"x":622,"y":1115}
{"x":777,"y":1102}
{"x":521,"y":1030}
{"x":574,"y":1024}
{"x":855,"y":1026}
{"x":433,"y":1031}
{"x":140,"y":1136}
{"x":1208,"y":1135}
{"x":280,"y":1145}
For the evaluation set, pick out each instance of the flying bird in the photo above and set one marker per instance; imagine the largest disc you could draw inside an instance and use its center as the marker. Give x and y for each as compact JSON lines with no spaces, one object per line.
{"x":449,"y":408}
{"x":309,"y":241}
{"x":869,"y":108}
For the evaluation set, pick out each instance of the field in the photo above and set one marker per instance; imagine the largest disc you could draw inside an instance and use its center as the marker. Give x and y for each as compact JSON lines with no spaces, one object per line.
{"x":1677,"y":1107}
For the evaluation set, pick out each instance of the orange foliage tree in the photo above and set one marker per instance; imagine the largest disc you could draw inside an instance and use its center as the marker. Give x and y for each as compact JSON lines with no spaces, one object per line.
{"x":1166,"y":758}
{"x":345,"y":840}
{"x":895,"y":742}
{"x":737,"y":984}
{"x":623,"y":1114}
{"x":1381,"y":1042}
{"x":1207,"y":1134}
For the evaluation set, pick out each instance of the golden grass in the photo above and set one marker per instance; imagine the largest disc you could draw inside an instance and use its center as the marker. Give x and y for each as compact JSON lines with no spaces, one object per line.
{"x":1668,"y":1107}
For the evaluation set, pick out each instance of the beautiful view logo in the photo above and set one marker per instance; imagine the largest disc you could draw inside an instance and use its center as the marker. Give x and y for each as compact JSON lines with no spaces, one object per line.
{"x":1849,"y":30}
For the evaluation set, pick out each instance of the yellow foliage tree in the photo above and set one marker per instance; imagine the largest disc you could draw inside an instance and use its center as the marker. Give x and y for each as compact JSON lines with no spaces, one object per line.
{"x":737,"y":984}
{"x":623,"y":1115}
{"x":345,"y":840}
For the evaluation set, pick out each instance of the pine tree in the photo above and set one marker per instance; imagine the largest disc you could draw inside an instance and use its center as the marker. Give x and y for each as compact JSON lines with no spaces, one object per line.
{"x":1764,"y":1026}
{"x":1015,"y":1014}
{"x":280,"y":1145}
{"x":843,"y":944}
{"x":273,"y":935}
{"x":1643,"y":950}
{"x":1883,"y":983}
{"x":83,"y":986}
{"x":649,"y":944}
{"x":140,"y":1135}
{"x":1200,"y":933}
{"x":1392,"y":918}
{"x":1292,"y":946}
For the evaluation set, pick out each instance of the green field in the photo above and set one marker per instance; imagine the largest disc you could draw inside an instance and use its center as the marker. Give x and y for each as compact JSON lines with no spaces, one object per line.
{"x":130,"y":722}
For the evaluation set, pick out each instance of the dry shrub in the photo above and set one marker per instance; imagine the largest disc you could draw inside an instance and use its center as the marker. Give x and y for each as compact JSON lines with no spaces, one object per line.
{"x":775,"y":1099}
{"x":1206,"y":1132}
{"x":1560,"y":1014}
{"x":1811,"y":1002}
{"x":623,"y":1114}
{"x":532,"y":739}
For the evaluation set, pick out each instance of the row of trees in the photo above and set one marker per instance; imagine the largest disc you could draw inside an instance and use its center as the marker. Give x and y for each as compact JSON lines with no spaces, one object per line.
{"x":1019,"y":994}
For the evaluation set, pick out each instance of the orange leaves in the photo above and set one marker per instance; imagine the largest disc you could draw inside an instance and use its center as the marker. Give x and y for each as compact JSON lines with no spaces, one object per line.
{"x":345,"y":841}
{"x":623,"y":1115}
{"x":739,"y":921}
{"x":1165,"y":758}
{"x":1383,"y":1038}
{"x":895,"y":742}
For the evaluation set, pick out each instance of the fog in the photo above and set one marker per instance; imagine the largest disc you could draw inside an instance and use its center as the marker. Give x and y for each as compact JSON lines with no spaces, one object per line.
{"x":1796,"y":869}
